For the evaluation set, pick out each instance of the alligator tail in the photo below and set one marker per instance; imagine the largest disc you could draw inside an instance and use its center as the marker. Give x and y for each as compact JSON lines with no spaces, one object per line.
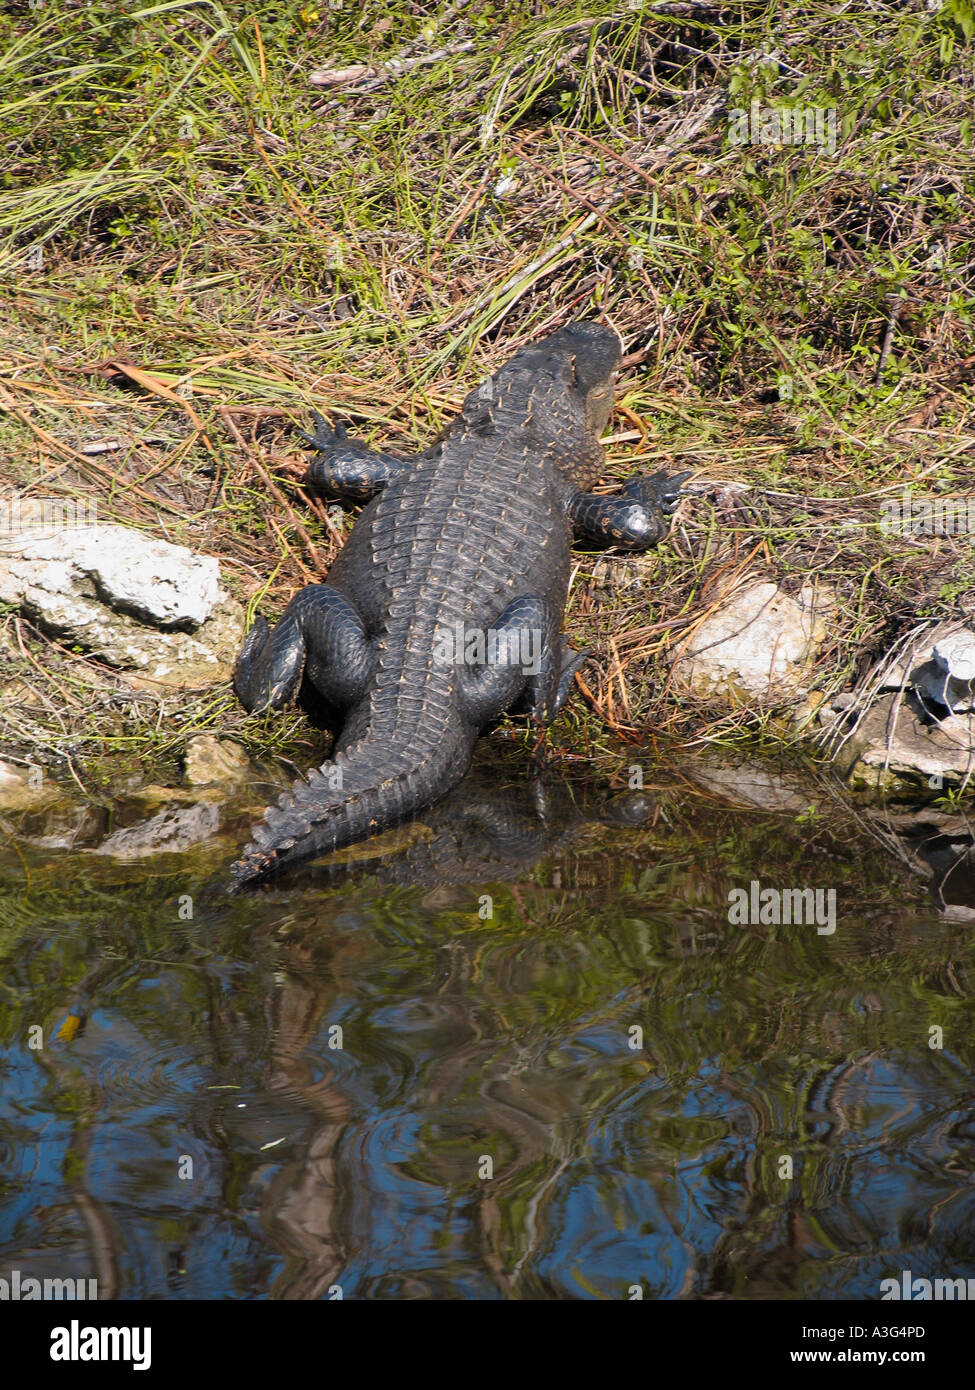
{"x":367,"y":788}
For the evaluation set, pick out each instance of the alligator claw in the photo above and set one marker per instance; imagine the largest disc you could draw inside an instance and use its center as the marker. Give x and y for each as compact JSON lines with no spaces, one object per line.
{"x":324,"y":437}
{"x":661,"y":490}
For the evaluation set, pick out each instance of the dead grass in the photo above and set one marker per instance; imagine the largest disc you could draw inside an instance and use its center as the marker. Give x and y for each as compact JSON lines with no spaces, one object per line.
{"x":230,"y":216}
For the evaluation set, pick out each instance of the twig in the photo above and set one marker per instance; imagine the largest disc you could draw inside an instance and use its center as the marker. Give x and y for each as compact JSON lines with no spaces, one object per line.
{"x":895,"y":312}
{"x":272,"y":487}
{"x":382,"y":72}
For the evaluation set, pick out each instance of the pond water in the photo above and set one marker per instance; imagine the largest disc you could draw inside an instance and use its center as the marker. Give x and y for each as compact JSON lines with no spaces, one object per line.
{"x":518,"y":1051}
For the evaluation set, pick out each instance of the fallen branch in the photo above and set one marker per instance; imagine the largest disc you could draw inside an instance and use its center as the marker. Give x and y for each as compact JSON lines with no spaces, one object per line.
{"x":382,"y":72}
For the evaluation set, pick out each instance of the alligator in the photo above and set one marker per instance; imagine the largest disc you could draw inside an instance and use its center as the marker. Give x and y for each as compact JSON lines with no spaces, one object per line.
{"x":444,"y":608}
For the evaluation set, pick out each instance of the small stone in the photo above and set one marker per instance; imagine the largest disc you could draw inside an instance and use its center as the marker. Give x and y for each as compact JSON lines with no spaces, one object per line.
{"x":214,"y":760}
{"x":22,"y":788}
{"x":760,"y":644}
{"x":811,"y":708}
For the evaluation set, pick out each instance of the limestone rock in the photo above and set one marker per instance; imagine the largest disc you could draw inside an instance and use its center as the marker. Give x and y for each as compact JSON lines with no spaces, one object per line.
{"x":939,"y":663}
{"x":897,"y":745}
{"x":760,"y":644}
{"x":949,"y":678}
{"x":170,"y":831}
{"x":134,"y":602}
{"x":212,"y":760}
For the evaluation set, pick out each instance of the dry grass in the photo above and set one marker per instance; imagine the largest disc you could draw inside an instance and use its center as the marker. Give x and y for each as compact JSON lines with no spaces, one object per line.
{"x":228,"y":217}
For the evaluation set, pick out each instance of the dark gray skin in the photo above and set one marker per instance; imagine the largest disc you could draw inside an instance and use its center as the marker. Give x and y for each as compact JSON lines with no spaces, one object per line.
{"x":477,"y":530}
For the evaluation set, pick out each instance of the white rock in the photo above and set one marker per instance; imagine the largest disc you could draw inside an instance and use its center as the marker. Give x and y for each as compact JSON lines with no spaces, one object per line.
{"x":939,"y":664}
{"x":957,"y":654}
{"x":155,"y":581}
{"x":950,"y":682}
{"x":132,"y":601}
{"x":760,"y":643}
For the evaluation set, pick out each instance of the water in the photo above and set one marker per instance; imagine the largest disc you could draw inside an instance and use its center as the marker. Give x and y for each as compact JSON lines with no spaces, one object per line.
{"x":527,"y":1057}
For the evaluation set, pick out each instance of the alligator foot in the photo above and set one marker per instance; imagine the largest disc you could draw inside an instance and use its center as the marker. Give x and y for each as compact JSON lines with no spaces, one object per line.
{"x":635,"y":520}
{"x":530,"y":670}
{"x":571,"y":662}
{"x":344,"y":468}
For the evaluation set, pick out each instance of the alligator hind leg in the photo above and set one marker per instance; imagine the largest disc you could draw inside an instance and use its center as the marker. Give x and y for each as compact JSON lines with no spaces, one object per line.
{"x":319,"y":631}
{"x":636,"y":519}
{"x":498,"y":666}
{"x":518,"y":667}
{"x":345,"y":469}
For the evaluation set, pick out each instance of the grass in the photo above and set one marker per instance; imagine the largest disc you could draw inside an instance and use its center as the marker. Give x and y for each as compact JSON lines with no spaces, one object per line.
{"x":212,"y":219}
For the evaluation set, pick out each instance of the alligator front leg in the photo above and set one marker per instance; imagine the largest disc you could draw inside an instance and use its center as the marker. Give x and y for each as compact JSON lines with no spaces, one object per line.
{"x":345,"y":469}
{"x":319,"y":631}
{"x":636,"y":519}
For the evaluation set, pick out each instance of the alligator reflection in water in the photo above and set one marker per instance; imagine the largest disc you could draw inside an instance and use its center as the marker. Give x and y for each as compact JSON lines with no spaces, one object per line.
{"x":481,"y":831}
{"x":360,"y":1158}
